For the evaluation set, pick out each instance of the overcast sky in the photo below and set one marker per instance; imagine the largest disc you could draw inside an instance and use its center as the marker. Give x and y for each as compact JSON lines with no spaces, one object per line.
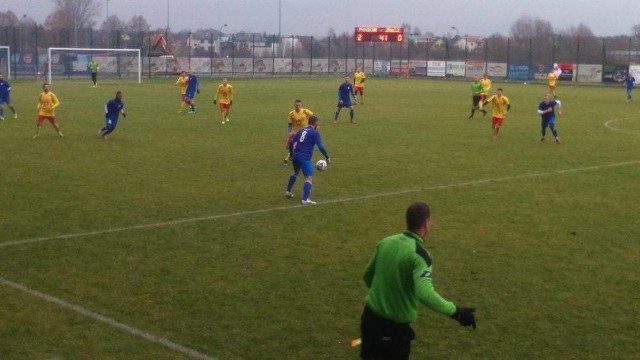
{"x":316,"y":17}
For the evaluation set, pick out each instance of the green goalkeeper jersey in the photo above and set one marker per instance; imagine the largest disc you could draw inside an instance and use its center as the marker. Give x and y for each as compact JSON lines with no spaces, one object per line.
{"x":398,"y":276}
{"x":93,"y":67}
{"x":476,"y":88}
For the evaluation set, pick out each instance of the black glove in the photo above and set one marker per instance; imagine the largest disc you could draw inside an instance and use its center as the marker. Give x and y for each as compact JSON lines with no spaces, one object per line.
{"x":215,"y":102}
{"x":465,"y":316}
{"x":124,"y":115}
{"x":198,"y":91}
{"x":231,"y":102}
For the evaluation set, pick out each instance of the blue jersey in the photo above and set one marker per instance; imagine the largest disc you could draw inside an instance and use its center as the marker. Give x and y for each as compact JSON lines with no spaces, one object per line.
{"x":345,"y":92}
{"x":5,"y":88}
{"x":301,"y":147}
{"x":192,"y":84}
{"x":113,"y":108}
{"x":629,"y":80}
{"x":551,"y":115}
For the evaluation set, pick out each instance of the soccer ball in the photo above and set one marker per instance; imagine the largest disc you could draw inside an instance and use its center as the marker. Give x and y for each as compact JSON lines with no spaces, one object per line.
{"x":321,"y":165}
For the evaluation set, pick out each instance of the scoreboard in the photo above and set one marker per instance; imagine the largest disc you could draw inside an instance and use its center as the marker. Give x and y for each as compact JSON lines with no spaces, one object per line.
{"x":379,"y":34}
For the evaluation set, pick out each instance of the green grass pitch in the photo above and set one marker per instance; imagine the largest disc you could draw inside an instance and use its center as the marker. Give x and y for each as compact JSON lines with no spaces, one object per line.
{"x":177,"y":226}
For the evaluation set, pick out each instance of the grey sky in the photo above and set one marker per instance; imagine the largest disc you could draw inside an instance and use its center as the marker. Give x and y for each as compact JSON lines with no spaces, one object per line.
{"x":311,"y":17}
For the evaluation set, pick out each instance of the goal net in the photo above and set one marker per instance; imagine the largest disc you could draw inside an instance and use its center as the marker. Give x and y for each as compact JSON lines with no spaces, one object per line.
{"x":72,"y":63}
{"x":5,"y":61}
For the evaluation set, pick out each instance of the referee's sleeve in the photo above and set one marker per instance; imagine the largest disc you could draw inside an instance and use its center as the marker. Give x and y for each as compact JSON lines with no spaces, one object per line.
{"x":425,"y":291}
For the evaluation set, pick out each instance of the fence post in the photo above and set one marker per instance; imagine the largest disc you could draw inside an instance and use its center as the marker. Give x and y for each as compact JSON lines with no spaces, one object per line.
{"x":577,"y":55}
{"x":329,"y":55}
{"x":211,"y":54}
{"x":253,"y":55}
{"x":311,"y":57}
{"x":529,"y":59}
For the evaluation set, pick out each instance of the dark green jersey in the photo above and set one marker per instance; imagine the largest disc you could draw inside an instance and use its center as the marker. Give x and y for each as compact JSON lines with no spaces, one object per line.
{"x":476,"y":88}
{"x":399,"y":275}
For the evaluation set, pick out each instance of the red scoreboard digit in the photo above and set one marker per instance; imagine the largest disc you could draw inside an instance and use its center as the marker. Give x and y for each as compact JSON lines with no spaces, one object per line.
{"x":379,"y":34}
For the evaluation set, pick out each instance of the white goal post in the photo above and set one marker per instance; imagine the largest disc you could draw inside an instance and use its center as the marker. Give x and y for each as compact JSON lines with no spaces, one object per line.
{"x":83,"y":51}
{"x":8,"y":62}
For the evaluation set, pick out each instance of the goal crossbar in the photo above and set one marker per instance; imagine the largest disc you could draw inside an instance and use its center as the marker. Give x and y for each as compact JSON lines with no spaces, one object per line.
{"x":137,"y":51}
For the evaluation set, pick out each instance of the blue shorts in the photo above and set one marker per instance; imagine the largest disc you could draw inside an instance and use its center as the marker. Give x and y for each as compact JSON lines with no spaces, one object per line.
{"x":551,"y":122}
{"x":305,"y":165}
{"x":110,"y":122}
{"x":345,"y":103}
{"x":190,"y":94}
{"x":5,"y":100}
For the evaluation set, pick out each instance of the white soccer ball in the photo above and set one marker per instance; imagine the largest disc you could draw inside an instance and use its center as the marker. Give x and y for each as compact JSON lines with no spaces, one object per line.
{"x":321,"y":165}
{"x":525,"y":83}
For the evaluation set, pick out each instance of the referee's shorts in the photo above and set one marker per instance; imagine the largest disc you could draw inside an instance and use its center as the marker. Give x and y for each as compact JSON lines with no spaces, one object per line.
{"x":383,"y":338}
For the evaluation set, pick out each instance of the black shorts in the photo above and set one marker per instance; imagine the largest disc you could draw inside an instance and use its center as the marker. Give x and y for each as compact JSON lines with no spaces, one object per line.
{"x":476,"y":100}
{"x":383,"y":338}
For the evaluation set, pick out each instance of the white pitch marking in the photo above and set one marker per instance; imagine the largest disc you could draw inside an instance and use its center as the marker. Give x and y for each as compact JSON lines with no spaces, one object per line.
{"x":88,"y":313}
{"x":608,"y":125}
{"x":327,"y":202}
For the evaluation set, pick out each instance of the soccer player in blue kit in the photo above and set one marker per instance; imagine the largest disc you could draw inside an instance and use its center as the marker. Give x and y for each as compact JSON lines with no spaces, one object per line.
{"x":546,"y":111}
{"x":301,"y":150}
{"x":345,"y":93}
{"x":5,"y":90}
{"x":193,"y":87}
{"x":629,"y":82}
{"x":112,"y":109}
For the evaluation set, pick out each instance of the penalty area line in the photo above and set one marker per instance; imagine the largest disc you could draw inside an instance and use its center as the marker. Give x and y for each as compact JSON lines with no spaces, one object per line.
{"x":109,"y":321}
{"x":327,"y":202}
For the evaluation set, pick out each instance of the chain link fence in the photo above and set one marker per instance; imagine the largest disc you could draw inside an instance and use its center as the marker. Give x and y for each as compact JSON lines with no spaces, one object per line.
{"x":578,"y":59}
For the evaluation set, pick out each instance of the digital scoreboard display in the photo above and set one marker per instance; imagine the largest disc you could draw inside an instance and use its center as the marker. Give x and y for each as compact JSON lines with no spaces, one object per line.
{"x":379,"y":34}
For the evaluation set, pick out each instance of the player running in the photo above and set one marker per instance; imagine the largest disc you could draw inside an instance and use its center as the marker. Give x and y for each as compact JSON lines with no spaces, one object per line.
{"x":298,"y":118}
{"x":112,"y":110}
{"x":501,"y":107}
{"x":551,"y":82}
{"x":486,"y":86}
{"x":224,"y":99}
{"x":476,"y":102}
{"x":5,"y":98}
{"x":358,"y":81}
{"x":629,"y":81}
{"x":546,"y":111}
{"x":345,"y":93}
{"x":193,"y":87}
{"x":301,"y":150}
{"x":182,"y":81}
{"x":47,"y":103}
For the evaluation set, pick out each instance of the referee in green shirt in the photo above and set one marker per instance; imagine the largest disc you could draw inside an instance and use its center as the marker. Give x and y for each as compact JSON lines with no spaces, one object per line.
{"x":398,"y":276}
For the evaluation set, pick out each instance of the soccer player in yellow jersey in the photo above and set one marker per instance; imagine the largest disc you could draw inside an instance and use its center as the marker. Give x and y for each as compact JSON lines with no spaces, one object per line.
{"x":298,"y":118}
{"x":358,"y":81}
{"x":551,"y":80}
{"x":224,"y":99}
{"x":182,"y":81}
{"x":501,"y":107}
{"x":47,"y":102}
{"x":486,"y":86}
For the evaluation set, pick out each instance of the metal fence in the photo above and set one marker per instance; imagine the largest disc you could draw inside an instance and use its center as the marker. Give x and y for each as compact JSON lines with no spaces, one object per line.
{"x":582,"y":59}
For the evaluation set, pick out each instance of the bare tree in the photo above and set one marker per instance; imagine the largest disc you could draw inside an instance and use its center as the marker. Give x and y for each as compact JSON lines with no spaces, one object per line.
{"x":527,"y":27}
{"x":8,"y":19}
{"x":581,"y":30}
{"x":74,"y":14}
{"x":138,"y":24}
{"x":112,"y":23}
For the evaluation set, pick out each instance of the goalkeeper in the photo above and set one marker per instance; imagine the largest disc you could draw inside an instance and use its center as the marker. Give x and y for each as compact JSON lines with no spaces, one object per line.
{"x":397,"y":276}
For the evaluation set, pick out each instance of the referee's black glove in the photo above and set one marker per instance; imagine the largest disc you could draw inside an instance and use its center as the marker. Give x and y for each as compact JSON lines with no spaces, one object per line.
{"x":465,"y":316}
